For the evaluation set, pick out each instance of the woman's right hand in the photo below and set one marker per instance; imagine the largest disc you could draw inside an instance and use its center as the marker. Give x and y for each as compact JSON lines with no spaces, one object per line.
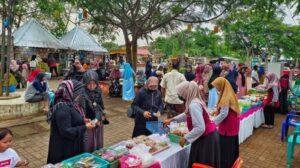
{"x":167,"y":122}
{"x":147,"y":114}
{"x":90,"y":125}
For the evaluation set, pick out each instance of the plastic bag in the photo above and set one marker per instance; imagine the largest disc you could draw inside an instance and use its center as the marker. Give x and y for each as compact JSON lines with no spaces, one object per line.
{"x":142,"y":151}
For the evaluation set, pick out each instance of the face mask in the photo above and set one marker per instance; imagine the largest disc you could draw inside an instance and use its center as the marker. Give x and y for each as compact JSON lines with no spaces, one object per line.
{"x":151,"y":91}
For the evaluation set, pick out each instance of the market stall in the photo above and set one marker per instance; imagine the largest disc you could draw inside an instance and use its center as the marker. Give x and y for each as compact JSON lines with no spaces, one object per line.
{"x":161,"y":150}
{"x":32,"y":38}
{"x":252,"y":115}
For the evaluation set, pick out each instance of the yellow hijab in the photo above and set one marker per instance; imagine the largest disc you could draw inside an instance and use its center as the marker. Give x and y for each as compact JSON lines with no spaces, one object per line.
{"x":227,"y":97}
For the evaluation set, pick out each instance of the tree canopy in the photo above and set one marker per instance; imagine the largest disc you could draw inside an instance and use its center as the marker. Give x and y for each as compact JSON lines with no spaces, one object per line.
{"x":136,"y":19}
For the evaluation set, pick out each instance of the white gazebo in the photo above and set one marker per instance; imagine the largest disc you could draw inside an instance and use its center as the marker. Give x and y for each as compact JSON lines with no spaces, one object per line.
{"x":80,"y":40}
{"x":33,"y":34}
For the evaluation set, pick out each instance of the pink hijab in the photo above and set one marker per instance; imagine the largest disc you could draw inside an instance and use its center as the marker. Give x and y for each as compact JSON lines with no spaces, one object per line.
{"x":189,"y":91}
{"x":270,"y":81}
{"x":198,"y":74}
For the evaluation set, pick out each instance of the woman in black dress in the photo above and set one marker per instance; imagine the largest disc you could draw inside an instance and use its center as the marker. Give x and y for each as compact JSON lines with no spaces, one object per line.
{"x":147,"y":106}
{"x":94,"y":110}
{"x":67,"y":123}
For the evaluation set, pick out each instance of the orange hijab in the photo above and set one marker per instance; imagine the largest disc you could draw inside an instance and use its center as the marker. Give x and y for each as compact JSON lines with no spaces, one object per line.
{"x":227,"y":97}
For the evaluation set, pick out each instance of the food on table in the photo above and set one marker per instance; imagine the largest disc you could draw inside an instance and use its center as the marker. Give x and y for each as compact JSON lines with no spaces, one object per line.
{"x":179,"y":129}
{"x":153,"y":149}
{"x":86,"y":162}
{"x":163,"y":144}
{"x":140,"y":139}
{"x":100,"y":152}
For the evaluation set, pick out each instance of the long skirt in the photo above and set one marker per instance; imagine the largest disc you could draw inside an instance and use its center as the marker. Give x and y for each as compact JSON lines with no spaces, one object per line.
{"x":269,"y":113}
{"x":128,"y":90}
{"x":283,"y":101}
{"x":93,"y":139}
{"x":229,"y":150}
{"x":206,"y":150}
{"x":212,"y":98}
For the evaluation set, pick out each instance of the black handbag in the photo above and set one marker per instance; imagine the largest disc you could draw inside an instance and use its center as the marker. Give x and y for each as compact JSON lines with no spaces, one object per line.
{"x":130,"y":112}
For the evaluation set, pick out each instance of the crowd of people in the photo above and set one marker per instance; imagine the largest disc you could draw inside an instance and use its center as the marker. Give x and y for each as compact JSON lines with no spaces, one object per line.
{"x":76,"y":111}
{"x":213,"y":89}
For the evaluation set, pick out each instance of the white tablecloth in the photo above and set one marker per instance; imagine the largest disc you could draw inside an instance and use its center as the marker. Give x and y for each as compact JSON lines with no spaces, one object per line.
{"x":177,"y":157}
{"x":174,"y":157}
{"x":247,"y":124}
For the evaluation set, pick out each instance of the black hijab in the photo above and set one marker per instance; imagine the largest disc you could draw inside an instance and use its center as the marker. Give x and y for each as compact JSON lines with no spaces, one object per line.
{"x":216,"y":73}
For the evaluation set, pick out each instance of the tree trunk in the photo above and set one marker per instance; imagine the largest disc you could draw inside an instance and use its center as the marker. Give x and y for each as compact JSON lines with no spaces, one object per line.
{"x":9,"y":42}
{"x":128,"y":52}
{"x":2,"y":48}
{"x":128,"y":46}
{"x":134,"y":53}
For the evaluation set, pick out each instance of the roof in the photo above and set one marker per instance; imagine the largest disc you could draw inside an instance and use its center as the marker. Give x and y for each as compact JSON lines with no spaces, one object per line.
{"x":33,"y":34}
{"x":79,"y":39}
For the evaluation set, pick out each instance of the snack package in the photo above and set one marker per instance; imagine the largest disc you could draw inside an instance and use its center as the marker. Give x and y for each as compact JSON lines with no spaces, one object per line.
{"x":142,"y":151}
{"x":179,"y":129}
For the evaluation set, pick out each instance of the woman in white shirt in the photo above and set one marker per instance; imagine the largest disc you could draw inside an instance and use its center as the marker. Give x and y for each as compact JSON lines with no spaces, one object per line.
{"x":33,"y":63}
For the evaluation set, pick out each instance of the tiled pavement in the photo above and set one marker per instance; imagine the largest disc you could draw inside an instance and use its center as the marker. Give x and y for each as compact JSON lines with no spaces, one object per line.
{"x":262,"y":150}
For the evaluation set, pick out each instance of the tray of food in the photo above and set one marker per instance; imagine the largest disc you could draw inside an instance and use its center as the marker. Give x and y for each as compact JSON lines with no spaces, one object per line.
{"x":155,"y":142}
{"x":85,"y":160}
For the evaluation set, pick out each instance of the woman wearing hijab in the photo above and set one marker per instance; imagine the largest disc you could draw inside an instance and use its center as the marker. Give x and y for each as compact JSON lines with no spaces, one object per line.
{"x":212,"y":92}
{"x":207,"y":72}
{"x":189,"y":75}
{"x":114,"y":88}
{"x":198,"y":74}
{"x":16,"y":71}
{"x":148,"y":68}
{"x":148,"y":106}
{"x":202,"y":131}
{"x":241,"y":81}
{"x":37,"y":91}
{"x":25,"y":73}
{"x":76,"y":72}
{"x":67,"y":123}
{"x":52,"y":65}
{"x":285,"y":85}
{"x":128,"y":83}
{"x":227,"y":119}
{"x":271,"y":103}
{"x":93,"y":106}
{"x":199,"y":79}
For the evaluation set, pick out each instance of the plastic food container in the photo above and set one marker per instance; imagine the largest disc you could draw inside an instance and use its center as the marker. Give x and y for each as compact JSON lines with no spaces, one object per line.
{"x":98,"y":162}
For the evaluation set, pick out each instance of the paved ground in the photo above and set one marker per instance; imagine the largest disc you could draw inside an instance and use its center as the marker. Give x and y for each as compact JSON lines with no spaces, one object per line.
{"x":262,"y":150}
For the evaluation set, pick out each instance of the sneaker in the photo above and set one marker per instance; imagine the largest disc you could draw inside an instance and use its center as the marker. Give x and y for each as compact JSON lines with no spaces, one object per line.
{"x":270,"y":126}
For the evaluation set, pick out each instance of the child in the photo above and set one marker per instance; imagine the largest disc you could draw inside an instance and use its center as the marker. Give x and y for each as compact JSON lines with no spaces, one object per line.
{"x":9,"y":157}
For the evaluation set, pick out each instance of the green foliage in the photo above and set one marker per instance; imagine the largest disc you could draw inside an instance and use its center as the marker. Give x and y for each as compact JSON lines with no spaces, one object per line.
{"x":248,"y":31}
{"x":110,"y":46}
{"x":201,"y":42}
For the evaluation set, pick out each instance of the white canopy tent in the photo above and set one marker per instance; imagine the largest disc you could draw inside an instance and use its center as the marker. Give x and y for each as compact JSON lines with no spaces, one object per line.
{"x":33,"y":34}
{"x":80,"y":40}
